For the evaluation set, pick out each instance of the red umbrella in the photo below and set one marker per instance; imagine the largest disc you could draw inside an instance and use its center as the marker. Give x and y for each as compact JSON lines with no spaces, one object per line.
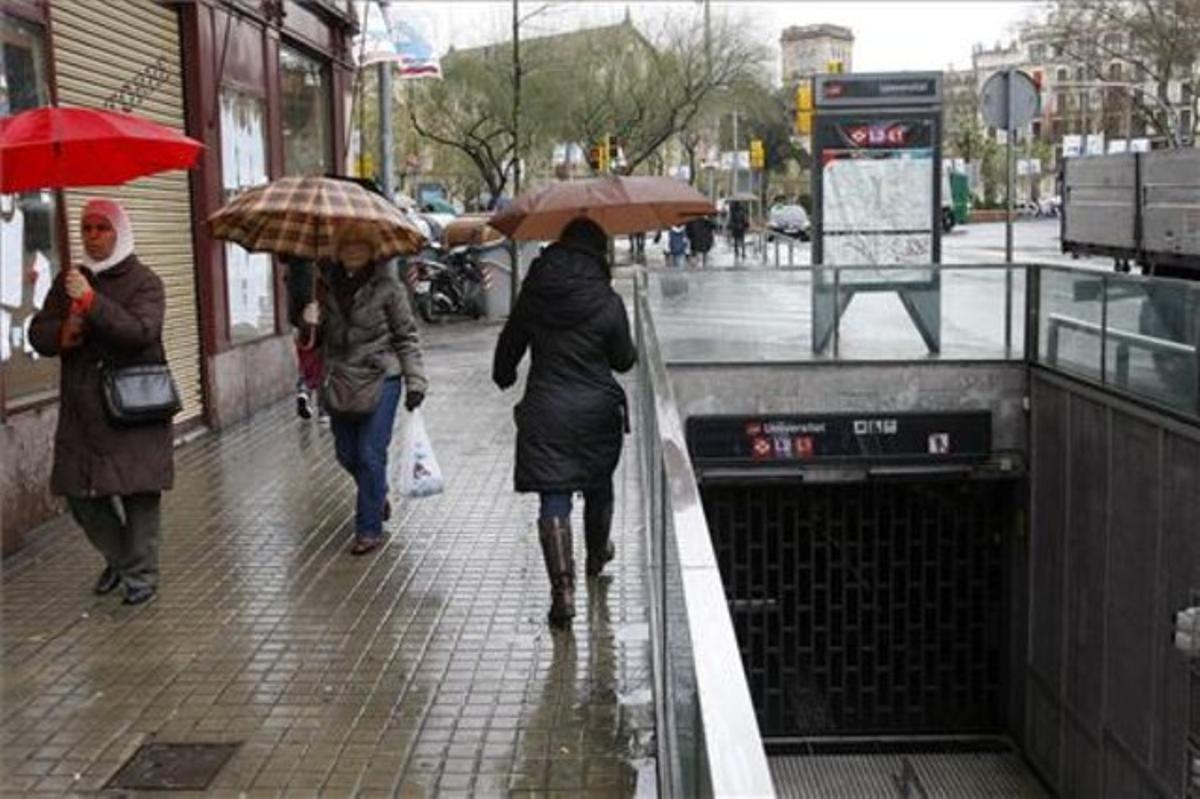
{"x":45,"y":148}
{"x":617,"y":204}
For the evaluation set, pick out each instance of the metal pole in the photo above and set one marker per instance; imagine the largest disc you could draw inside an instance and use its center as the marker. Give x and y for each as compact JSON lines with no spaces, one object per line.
{"x":1010,"y":172}
{"x":514,"y":249}
{"x":1104,"y":330}
{"x":733,"y":173}
{"x":387,"y":148}
{"x":1008,"y":312}
{"x":837,"y":308}
{"x":1128,"y":122}
{"x":1085,"y":100}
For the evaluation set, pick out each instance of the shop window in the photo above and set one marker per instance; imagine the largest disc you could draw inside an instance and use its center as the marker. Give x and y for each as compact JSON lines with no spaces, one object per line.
{"x":305,"y":88}
{"x":28,"y":245}
{"x":249,"y":276}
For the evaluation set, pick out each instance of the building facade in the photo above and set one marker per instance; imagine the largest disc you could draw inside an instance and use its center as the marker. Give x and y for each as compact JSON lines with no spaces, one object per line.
{"x":1092,"y":90}
{"x":807,"y":50}
{"x":265,"y":85}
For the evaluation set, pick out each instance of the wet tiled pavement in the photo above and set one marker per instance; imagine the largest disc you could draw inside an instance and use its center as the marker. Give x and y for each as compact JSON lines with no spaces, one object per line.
{"x":424,"y":668}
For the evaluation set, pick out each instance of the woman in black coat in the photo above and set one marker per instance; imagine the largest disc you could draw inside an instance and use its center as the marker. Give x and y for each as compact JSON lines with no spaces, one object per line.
{"x":571,"y":421}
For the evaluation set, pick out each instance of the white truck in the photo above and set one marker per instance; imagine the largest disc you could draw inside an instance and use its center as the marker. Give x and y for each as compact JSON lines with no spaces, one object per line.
{"x":1139,"y":209}
{"x":1143,"y":209}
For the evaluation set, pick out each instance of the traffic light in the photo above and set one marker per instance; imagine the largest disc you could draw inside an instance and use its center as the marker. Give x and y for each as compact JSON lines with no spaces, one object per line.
{"x":834,"y":67}
{"x":757,"y":154}
{"x":614,"y":152}
{"x":594,"y":158}
{"x":804,"y":108}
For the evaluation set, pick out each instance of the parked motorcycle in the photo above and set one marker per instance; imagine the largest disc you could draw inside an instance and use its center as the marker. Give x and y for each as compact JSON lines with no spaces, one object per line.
{"x":447,"y":283}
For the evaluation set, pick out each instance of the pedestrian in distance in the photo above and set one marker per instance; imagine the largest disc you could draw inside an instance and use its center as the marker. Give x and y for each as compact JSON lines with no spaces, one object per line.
{"x":677,"y":246}
{"x":738,"y":223}
{"x":371,"y":355}
{"x":301,"y":283}
{"x":572,"y":419}
{"x":700,"y":237}
{"x":108,"y":311}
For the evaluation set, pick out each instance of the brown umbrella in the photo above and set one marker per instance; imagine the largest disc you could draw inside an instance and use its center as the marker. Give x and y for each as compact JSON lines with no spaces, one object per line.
{"x":470,"y":230}
{"x":302,"y":218}
{"x":617,"y":204}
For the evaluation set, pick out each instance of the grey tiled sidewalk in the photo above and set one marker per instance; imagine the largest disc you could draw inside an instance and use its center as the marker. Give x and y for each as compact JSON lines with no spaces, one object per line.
{"x":424,"y":668}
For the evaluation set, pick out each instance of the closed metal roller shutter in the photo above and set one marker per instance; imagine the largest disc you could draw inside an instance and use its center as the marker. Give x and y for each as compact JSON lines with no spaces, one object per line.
{"x":125,"y":54}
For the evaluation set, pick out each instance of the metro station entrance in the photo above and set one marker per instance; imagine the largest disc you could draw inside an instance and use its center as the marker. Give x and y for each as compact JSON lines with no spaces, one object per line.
{"x":869,"y":609}
{"x":867,"y":560}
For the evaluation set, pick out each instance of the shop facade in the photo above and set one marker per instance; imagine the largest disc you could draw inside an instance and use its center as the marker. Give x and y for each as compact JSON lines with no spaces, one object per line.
{"x":265,"y":86}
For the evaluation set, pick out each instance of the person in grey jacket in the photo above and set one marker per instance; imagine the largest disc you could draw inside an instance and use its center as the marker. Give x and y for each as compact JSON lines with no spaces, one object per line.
{"x":365,"y":322}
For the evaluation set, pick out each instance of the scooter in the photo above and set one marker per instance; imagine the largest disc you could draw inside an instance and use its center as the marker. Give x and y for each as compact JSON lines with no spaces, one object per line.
{"x":447,"y":283}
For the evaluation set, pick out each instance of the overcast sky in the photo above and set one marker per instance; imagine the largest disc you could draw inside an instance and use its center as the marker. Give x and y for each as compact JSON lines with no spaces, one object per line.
{"x":894,"y":35}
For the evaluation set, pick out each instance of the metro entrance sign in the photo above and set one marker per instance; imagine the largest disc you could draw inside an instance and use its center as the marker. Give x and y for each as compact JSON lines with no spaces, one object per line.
{"x":876,"y":195}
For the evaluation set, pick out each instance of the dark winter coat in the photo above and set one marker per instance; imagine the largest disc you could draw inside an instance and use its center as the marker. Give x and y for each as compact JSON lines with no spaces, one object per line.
{"x":379,"y":328}
{"x":571,"y":420}
{"x":300,"y":282}
{"x":92,"y":456}
{"x":700,"y":234}
{"x":738,"y":221}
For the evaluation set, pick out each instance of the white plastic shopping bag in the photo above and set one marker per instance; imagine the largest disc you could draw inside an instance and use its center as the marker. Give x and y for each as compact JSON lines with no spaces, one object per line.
{"x":420,"y":475}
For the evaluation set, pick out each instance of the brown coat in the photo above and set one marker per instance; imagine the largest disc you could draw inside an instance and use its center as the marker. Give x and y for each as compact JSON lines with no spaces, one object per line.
{"x":92,"y":456}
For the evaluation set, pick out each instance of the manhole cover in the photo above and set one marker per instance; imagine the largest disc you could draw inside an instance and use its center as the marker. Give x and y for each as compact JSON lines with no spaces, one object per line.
{"x":173,"y":767}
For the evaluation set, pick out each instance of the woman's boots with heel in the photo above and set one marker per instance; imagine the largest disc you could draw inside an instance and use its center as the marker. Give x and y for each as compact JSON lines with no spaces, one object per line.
{"x":597,"y":524}
{"x":555,"y":536}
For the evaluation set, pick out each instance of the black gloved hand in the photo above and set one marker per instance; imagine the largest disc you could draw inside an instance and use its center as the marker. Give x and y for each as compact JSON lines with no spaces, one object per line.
{"x":413,"y":399}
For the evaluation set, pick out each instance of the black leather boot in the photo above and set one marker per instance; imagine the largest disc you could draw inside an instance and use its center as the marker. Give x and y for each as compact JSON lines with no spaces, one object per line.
{"x":555,"y":537}
{"x":597,"y":527}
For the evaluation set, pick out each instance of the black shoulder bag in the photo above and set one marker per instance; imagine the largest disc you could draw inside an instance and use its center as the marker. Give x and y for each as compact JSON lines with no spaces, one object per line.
{"x":139,"y":394}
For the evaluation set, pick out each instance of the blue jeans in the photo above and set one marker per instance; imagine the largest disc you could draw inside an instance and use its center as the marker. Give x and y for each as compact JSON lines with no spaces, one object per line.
{"x":558,"y":505}
{"x":362,"y":450}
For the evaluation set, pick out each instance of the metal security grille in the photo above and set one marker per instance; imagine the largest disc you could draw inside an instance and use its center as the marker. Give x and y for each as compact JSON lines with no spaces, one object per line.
{"x":868,"y":609}
{"x":126,"y":55}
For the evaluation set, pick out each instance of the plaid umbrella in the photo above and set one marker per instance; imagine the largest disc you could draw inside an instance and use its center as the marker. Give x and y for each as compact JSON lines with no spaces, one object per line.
{"x":617,"y":204}
{"x":303,"y":217}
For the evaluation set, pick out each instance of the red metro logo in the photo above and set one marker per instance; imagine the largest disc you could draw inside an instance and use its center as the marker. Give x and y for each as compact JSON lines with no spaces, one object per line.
{"x":891,"y":135}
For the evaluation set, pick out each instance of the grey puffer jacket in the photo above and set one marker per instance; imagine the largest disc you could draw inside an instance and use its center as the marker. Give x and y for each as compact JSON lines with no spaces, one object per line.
{"x":379,"y":329}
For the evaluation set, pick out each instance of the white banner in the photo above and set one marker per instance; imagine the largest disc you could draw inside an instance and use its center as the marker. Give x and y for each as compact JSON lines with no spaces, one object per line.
{"x":1072,"y":146}
{"x":743,"y":158}
{"x":1095,"y":144}
{"x":403,"y":35}
{"x":1118,"y":146}
{"x":1139,"y":146}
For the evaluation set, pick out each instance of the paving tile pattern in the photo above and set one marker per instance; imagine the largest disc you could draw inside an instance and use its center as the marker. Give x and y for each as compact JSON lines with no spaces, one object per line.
{"x":424,"y":668}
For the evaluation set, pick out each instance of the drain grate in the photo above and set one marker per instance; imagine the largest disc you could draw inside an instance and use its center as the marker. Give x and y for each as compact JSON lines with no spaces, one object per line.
{"x":904,"y":777}
{"x":173,"y":767}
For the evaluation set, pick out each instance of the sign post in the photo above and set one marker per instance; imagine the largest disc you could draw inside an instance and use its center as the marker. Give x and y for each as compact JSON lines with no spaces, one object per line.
{"x":877,"y":196}
{"x":1009,"y":101}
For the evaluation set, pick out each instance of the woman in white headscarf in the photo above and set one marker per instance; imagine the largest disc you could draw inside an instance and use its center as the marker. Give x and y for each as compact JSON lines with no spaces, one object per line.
{"x":109,"y":310}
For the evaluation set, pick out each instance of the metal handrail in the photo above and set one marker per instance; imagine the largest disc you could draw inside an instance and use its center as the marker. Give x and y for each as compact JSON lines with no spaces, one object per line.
{"x":731,"y":741}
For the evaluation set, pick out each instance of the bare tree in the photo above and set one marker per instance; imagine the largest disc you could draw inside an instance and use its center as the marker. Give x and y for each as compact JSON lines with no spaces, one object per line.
{"x":1156,"y":42}
{"x":645,"y":92}
{"x":478,"y":107}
